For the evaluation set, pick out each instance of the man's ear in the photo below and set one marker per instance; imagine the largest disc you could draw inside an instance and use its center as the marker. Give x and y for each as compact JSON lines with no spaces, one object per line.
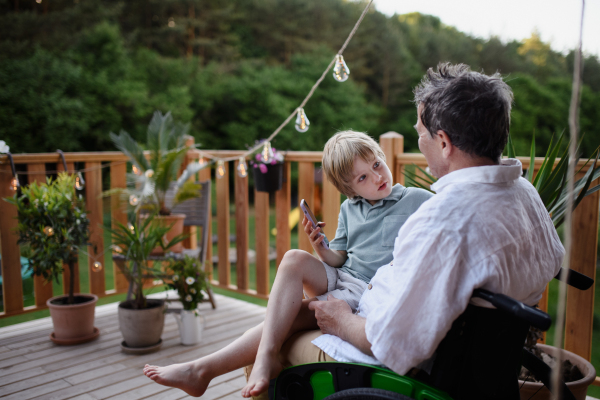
{"x":446,"y":144}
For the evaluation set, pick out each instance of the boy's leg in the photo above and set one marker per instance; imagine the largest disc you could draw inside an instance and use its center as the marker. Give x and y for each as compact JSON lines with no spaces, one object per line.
{"x":299,"y":271}
{"x":193,"y":377}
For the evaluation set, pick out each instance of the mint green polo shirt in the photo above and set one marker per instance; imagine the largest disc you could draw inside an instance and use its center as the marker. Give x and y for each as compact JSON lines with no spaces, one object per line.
{"x":368,"y":232}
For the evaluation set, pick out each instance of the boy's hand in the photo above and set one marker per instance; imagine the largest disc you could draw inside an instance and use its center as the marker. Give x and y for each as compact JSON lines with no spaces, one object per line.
{"x":314,"y":234}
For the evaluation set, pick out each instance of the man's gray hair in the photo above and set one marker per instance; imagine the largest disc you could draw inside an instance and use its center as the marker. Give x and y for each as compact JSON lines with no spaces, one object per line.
{"x":472,"y":108}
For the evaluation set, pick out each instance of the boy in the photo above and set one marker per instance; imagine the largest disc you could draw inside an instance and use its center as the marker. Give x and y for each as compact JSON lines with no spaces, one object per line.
{"x":368,"y":224}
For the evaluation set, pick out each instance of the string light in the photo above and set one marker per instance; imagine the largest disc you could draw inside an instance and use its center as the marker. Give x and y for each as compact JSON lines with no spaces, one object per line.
{"x":14,"y":184}
{"x":220,"y":169}
{"x":302,"y":122}
{"x":267,"y":153}
{"x":242,"y":168}
{"x":134,"y":200}
{"x":149,"y":173}
{"x":340,"y":70}
{"x":130,"y":227}
{"x":135,"y":170}
{"x":79,"y":182}
{"x":116,"y":249}
{"x":97,"y":266}
{"x":49,"y":231}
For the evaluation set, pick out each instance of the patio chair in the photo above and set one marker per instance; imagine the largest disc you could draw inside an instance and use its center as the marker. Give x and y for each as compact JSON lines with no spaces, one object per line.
{"x":479,"y":358}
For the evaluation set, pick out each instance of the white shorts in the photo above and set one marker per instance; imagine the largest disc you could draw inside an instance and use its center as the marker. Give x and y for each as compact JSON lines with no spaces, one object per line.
{"x":343,"y":286}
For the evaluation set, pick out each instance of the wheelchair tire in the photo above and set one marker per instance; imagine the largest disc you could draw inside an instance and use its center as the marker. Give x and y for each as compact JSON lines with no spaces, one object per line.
{"x":366,"y":394}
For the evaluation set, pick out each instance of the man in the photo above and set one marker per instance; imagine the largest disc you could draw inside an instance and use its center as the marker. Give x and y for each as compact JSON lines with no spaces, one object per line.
{"x":485,"y":228}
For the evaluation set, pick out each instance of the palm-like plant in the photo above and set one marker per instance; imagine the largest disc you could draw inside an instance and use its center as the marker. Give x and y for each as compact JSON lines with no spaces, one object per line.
{"x":550,"y":181}
{"x":135,"y":242}
{"x":165,"y":142}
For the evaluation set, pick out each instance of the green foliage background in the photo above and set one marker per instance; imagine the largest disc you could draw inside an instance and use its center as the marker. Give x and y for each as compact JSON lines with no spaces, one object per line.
{"x":71,"y":71}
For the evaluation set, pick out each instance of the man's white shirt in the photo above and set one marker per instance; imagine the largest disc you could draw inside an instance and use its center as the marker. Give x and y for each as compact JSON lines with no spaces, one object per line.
{"x":485,"y":228}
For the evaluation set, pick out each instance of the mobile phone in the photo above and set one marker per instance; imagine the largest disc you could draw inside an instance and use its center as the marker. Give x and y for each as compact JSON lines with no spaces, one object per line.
{"x":311,"y":217}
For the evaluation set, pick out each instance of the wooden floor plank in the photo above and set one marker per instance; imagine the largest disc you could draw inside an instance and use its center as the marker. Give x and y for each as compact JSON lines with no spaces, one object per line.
{"x":31,"y":367}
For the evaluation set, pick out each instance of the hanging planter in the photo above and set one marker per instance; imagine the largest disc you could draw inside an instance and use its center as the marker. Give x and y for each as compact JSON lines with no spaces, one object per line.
{"x":268,"y":169}
{"x":269,"y":181}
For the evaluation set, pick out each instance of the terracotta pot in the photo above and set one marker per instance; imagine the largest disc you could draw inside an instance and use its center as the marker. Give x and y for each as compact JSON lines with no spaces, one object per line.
{"x":166,"y":220}
{"x":142,"y":328}
{"x":578,"y":388}
{"x":74,"y":323}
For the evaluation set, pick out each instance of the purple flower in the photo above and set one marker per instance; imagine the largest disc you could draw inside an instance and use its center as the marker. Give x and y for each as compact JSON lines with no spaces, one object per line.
{"x":263,"y":168}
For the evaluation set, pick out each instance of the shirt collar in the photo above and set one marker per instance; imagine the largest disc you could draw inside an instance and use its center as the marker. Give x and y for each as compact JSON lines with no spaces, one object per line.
{"x":508,"y":171}
{"x":397,"y":193}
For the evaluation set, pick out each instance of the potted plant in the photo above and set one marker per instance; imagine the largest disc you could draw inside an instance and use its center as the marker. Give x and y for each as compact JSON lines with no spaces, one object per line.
{"x":551,"y":184}
{"x":187,"y":278}
{"x":141,"y":320}
{"x":53,"y":222}
{"x":155,"y":175}
{"x":268,"y":169}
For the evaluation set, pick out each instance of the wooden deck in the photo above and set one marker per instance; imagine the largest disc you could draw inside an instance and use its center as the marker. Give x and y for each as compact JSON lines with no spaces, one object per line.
{"x":32,"y":367}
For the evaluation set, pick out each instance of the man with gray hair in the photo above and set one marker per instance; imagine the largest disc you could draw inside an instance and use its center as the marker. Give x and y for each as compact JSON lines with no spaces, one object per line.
{"x":485,"y":228}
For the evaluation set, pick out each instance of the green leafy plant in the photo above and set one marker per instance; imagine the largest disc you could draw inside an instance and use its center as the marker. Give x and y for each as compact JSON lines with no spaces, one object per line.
{"x":135,"y":241}
{"x":187,"y":278}
{"x":165,"y":142}
{"x":54,"y":223}
{"x":550,"y":181}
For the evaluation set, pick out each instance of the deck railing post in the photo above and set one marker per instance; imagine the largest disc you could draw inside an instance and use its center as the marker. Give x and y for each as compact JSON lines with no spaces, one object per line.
{"x":392,"y":144}
{"x":191,"y":242}
{"x":331,"y":208}
{"x":306,"y":191}
{"x":242,"y":265}
{"x":118,"y":180}
{"x":261,"y":227}
{"x":223,"y":227}
{"x":93,"y":193}
{"x":282,"y":215}
{"x":12,"y":284}
{"x":205,"y":175}
{"x":580,"y":304}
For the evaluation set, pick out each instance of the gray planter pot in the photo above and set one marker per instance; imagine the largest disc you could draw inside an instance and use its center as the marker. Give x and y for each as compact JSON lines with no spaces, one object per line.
{"x":142,"y":328}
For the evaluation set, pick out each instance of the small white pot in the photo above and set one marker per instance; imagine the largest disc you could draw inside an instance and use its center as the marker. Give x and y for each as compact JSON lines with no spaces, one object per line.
{"x":190,"y":327}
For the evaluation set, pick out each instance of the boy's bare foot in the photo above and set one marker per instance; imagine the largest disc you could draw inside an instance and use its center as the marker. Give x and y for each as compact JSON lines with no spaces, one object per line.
{"x":265,"y":368}
{"x":188,"y":377}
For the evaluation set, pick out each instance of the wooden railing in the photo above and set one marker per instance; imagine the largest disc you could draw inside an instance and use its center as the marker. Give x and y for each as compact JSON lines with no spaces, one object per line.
{"x":579,"y":305}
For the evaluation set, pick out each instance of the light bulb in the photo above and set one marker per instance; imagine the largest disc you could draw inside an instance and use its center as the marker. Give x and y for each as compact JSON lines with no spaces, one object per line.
{"x":302,"y":122}
{"x":116,"y":249}
{"x":267,"y":153}
{"x":79,"y":182}
{"x":97,"y":266}
{"x":135,"y":170}
{"x":14,"y":184}
{"x":134,"y":200}
{"x":130,"y":227}
{"x":202,"y":161}
{"x":242,"y":168}
{"x":340,"y":70}
{"x":149,"y":173}
{"x":49,"y":231}
{"x":220,"y":169}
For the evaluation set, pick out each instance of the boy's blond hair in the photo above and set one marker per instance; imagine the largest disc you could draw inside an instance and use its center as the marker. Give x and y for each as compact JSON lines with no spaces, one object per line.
{"x":339,"y":154}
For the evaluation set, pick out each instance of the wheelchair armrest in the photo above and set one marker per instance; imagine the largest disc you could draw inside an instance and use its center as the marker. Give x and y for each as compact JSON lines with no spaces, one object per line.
{"x":575,"y":279}
{"x":533,"y":316}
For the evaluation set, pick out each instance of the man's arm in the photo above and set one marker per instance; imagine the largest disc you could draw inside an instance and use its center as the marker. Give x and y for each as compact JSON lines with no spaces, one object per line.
{"x":335,"y":317}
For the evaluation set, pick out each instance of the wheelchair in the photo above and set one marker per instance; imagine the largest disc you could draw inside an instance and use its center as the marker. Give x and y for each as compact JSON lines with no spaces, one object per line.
{"x":479,"y":358}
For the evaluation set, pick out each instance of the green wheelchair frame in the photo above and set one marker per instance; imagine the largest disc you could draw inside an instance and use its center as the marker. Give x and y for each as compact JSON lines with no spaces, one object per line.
{"x":348,"y":381}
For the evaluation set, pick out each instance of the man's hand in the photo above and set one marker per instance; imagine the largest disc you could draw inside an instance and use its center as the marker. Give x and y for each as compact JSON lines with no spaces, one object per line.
{"x":335,"y":317}
{"x":330,"y":315}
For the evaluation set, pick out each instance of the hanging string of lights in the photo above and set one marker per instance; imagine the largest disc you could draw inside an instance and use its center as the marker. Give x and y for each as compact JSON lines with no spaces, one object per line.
{"x":302,"y":124}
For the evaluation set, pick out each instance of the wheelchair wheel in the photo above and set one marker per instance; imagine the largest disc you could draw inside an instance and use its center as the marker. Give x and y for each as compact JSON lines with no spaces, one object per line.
{"x":366,"y":394}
